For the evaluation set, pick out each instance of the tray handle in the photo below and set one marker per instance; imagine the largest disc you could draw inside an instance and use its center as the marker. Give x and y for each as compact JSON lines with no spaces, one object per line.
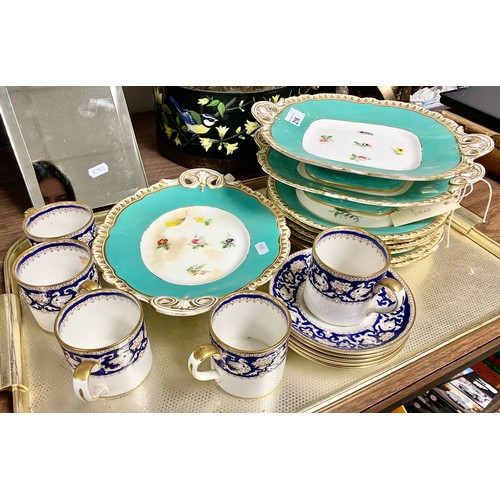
{"x":11,"y":362}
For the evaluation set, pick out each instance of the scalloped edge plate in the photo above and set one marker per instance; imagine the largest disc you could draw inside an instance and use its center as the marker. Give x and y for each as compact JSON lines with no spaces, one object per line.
{"x":117,"y":247}
{"x":445,"y":149}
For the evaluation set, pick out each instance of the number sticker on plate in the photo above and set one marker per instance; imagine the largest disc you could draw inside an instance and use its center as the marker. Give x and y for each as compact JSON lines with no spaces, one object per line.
{"x":295,"y":117}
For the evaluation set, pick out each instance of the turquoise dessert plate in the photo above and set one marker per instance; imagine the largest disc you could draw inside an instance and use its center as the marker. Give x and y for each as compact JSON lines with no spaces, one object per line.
{"x":286,"y":198}
{"x":388,"y":139}
{"x":181,"y":244}
{"x":367,"y":184}
{"x":294,"y":173}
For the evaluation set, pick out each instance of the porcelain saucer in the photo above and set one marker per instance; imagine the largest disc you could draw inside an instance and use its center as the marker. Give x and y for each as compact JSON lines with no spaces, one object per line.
{"x":339,"y":361}
{"x":376,"y":334}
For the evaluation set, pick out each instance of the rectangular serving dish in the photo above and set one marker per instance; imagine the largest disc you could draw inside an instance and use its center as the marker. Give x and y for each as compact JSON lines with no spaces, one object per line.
{"x":452,"y":290}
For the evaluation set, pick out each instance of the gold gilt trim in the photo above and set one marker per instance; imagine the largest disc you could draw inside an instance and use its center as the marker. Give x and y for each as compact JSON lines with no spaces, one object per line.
{"x":454,"y":190}
{"x":352,"y":211}
{"x":351,"y":187}
{"x":418,"y":253}
{"x":302,"y":220}
{"x":191,"y":179}
{"x":471,"y":146}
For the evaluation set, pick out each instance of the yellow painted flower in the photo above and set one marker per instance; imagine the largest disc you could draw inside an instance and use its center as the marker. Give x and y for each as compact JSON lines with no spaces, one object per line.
{"x":230,"y":148}
{"x":251,"y":127}
{"x":222,"y":131}
{"x":203,"y":101}
{"x":158,"y":95}
{"x":168,"y":131}
{"x":175,"y":222}
{"x":275,"y":98}
{"x":203,"y":220}
{"x":177,"y":140}
{"x":398,"y":151}
{"x":206,"y":143}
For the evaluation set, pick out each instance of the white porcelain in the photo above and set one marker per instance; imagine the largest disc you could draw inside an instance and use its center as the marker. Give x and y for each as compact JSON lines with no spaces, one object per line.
{"x":64,"y":219}
{"x":378,"y":146}
{"x":249,"y":334}
{"x":49,"y":274}
{"x":376,"y":335}
{"x":104,"y":339}
{"x":195,"y":245}
{"x":348,"y":269}
{"x":338,"y":215}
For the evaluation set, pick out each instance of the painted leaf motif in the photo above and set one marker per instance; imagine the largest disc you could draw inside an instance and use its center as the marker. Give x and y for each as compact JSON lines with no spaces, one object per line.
{"x":196,"y":116}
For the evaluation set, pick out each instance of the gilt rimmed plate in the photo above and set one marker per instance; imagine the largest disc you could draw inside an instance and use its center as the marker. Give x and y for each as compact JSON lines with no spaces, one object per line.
{"x":337,"y":211}
{"x":285,"y":198}
{"x":180,"y":244}
{"x":377,"y":333}
{"x":294,"y":173}
{"x":389,"y":139}
{"x":401,"y":254}
{"x":366,"y":184}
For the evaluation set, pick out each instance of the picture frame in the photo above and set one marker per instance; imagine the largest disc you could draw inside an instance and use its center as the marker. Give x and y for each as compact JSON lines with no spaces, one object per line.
{"x":83,"y":132}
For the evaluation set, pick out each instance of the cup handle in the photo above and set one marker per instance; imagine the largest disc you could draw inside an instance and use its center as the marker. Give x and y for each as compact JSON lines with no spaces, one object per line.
{"x":197,"y":357}
{"x":81,"y":382}
{"x":396,"y":287}
{"x":88,"y":286}
{"x":30,"y":211}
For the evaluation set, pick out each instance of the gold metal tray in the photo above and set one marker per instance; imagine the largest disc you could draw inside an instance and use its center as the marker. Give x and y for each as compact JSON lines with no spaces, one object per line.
{"x":453,"y":293}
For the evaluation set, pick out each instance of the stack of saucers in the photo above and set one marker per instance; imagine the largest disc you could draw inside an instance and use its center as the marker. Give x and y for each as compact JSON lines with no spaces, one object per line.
{"x":393,"y":168}
{"x":378,"y":338}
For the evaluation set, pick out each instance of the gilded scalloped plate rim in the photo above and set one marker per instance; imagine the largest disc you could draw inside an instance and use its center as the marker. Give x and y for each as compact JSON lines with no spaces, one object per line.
{"x":447,"y":150}
{"x":310,"y":220}
{"x":126,"y":222}
{"x":419,"y":193}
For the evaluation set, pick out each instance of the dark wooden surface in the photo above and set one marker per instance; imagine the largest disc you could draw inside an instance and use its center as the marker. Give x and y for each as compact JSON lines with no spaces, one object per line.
{"x":384,"y":396}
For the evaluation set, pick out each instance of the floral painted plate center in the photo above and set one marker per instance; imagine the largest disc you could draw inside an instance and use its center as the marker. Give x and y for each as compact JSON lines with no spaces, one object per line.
{"x":194,"y":245}
{"x":376,"y":146}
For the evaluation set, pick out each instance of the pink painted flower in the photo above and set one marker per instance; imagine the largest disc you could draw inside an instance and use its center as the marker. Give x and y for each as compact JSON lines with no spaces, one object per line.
{"x":198,"y":242}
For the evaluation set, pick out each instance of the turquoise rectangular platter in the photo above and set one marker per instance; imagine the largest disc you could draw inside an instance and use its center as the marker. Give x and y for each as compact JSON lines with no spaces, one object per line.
{"x":446,"y":151}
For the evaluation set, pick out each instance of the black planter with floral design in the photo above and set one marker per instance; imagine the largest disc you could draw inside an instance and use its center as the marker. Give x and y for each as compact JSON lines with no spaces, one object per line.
{"x":212,"y":127}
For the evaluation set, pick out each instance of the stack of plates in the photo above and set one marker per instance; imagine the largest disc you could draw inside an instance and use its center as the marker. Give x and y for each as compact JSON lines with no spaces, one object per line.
{"x":376,"y":339}
{"x":342,"y":160}
{"x":408,"y":243}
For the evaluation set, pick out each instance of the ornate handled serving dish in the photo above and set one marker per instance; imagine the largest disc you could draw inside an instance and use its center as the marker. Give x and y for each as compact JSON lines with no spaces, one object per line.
{"x":300,"y":175}
{"x":389,"y":139}
{"x":180,"y":244}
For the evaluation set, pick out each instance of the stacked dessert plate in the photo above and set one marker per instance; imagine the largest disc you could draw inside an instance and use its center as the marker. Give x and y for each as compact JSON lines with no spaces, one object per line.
{"x":376,"y":339}
{"x":407,"y":243}
{"x":343,"y":160}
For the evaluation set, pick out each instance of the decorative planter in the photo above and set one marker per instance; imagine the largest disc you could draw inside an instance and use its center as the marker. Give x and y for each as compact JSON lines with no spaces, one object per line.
{"x":212,"y":127}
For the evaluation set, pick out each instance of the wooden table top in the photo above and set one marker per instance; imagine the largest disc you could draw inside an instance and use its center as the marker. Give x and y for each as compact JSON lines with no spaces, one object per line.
{"x":421,"y":375}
